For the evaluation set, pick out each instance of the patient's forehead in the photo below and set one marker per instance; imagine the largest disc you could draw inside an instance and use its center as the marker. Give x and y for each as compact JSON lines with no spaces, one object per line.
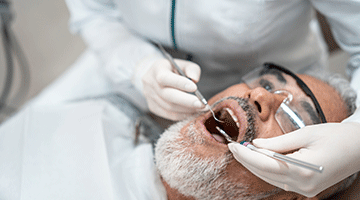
{"x":333,"y":106}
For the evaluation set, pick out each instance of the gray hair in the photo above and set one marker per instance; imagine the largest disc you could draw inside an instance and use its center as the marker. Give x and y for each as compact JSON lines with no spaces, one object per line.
{"x":342,"y":86}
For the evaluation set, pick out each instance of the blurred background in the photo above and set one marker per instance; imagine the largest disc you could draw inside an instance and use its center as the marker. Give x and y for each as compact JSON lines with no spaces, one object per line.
{"x":41,"y":29}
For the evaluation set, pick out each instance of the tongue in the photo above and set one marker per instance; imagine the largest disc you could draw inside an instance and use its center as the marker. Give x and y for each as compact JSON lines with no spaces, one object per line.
{"x":218,"y":138}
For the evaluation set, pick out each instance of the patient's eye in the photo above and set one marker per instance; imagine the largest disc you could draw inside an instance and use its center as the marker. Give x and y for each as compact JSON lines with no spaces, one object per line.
{"x":267,"y":85}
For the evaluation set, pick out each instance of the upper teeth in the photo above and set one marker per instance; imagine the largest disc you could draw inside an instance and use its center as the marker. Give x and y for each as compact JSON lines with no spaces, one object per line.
{"x":233,"y":117}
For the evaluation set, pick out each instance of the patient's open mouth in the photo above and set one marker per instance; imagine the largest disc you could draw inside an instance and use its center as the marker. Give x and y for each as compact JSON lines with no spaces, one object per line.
{"x":230,"y":125}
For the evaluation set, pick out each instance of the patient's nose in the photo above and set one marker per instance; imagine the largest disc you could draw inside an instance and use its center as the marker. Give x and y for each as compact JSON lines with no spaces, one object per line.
{"x":265,"y":102}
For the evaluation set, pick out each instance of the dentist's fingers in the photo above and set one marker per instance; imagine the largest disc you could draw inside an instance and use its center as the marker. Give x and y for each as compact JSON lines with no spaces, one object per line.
{"x":168,"y":76}
{"x":167,"y":92}
{"x":288,"y":142}
{"x":174,"y":116}
{"x":272,"y":171}
{"x":323,"y":144}
{"x":177,"y":97}
{"x":171,"y":80}
{"x":180,"y":104}
{"x":257,"y":160}
{"x":192,"y":70}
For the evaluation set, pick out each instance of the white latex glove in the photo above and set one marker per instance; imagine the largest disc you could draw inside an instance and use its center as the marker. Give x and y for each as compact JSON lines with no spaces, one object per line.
{"x":335,"y":146}
{"x":168,"y":93}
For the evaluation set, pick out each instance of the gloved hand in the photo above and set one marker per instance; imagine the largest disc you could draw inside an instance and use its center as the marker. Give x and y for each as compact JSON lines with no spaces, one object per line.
{"x":335,"y":146}
{"x":168,"y":93}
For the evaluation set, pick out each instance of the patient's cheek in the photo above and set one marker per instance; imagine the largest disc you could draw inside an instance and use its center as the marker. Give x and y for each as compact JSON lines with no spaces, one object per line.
{"x":268,"y":129}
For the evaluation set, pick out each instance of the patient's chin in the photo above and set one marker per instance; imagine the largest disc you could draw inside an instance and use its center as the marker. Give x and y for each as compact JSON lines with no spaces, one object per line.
{"x":192,"y":175}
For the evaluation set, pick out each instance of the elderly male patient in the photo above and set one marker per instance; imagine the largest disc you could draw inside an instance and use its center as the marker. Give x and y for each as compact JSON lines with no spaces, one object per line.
{"x":192,"y":160}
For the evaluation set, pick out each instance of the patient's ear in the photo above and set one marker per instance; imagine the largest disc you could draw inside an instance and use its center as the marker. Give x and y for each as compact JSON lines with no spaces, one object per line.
{"x":283,"y":195}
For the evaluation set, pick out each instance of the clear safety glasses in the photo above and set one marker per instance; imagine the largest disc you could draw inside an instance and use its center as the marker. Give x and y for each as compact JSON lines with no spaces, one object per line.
{"x":292,"y":114}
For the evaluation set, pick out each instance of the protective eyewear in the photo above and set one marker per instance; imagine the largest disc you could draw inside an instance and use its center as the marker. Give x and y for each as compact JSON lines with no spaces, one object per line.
{"x":291,"y":114}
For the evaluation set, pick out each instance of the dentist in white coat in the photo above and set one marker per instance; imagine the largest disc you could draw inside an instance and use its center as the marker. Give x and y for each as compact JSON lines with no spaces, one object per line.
{"x":223,"y":40}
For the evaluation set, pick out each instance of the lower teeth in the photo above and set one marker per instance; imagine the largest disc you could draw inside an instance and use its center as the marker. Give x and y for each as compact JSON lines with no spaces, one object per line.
{"x":218,"y":138}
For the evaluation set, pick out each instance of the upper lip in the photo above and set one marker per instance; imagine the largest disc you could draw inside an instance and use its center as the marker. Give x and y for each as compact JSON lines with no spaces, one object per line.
{"x":230,"y":112}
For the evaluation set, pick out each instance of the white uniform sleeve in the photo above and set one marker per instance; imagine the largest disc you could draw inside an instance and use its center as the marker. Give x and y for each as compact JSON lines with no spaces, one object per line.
{"x":344,"y":20}
{"x":125,"y":56}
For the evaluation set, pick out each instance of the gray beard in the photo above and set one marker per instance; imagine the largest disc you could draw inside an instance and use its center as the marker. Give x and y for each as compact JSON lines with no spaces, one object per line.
{"x":193,"y":176}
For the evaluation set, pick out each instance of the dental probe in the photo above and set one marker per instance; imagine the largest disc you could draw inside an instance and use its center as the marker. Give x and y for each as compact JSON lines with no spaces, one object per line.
{"x":275,"y":155}
{"x":197,"y":92}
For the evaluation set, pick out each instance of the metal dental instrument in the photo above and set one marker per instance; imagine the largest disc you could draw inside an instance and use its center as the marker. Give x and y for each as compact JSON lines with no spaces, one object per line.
{"x":197,"y":92}
{"x":227,"y":137}
{"x":275,"y":155}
